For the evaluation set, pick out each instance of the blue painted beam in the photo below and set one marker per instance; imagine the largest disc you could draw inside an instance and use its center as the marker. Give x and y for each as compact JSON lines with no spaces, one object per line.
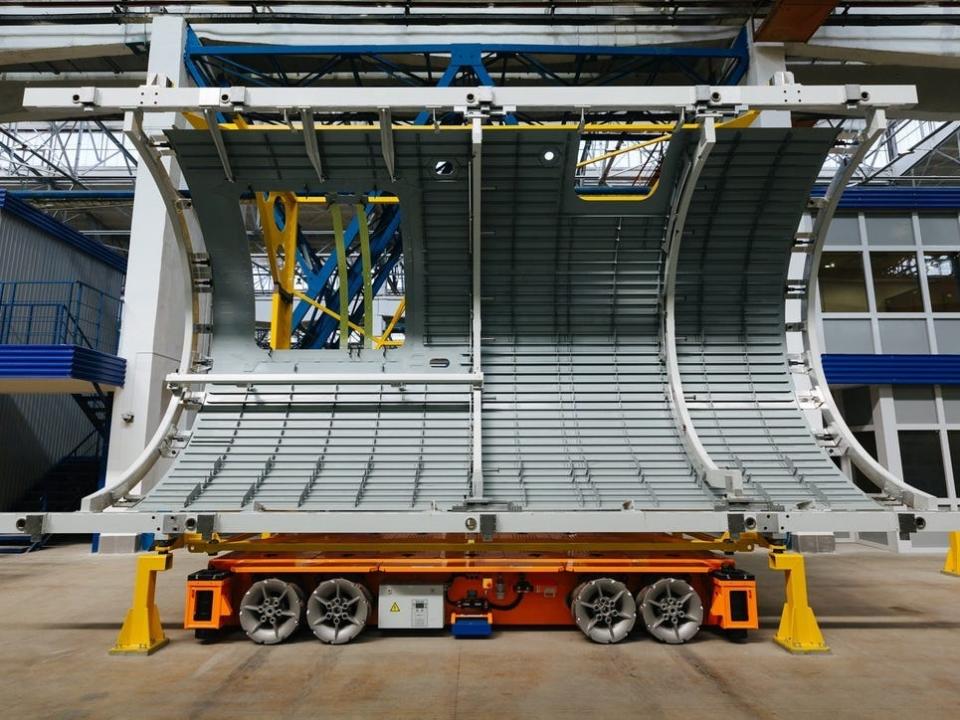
{"x":198,"y":56}
{"x":71,"y":194}
{"x":32,"y":363}
{"x":892,"y":369}
{"x":218,"y":51}
{"x":896,"y":197}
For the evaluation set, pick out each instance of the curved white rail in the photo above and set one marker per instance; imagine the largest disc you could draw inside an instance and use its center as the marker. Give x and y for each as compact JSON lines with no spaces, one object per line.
{"x":117,"y":486}
{"x":702,"y":463}
{"x":877,"y":473}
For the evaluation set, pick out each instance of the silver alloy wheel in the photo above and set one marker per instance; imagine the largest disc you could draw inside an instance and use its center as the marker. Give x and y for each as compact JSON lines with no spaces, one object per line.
{"x":671,"y":610}
{"x":338,"y":610}
{"x":604,"y":610}
{"x":573,"y":599}
{"x":271,"y":610}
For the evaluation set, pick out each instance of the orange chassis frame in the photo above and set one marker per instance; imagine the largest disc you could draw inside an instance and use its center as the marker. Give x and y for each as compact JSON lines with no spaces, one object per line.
{"x":485,"y":574}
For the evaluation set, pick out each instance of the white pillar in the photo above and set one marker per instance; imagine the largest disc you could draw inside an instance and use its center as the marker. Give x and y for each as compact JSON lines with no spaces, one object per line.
{"x":766,"y":59}
{"x":151,"y":337}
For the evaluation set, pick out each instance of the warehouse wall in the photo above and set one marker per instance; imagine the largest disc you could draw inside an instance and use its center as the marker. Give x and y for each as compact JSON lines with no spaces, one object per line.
{"x":38,"y":430}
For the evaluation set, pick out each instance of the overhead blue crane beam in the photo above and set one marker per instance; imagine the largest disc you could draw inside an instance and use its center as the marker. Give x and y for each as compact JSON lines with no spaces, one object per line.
{"x":219,"y":65}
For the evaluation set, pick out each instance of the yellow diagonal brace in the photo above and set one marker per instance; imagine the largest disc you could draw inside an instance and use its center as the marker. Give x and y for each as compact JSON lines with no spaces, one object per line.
{"x":799,"y":631}
{"x":952,"y":565}
{"x":622,"y":151}
{"x":343,"y":278}
{"x":367,"y":269}
{"x":397,"y":314}
{"x":324,"y":309}
{"x":142,"y":633}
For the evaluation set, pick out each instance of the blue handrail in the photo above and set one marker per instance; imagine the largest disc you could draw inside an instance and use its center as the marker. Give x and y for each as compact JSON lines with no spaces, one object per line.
{"x":58,"y":313}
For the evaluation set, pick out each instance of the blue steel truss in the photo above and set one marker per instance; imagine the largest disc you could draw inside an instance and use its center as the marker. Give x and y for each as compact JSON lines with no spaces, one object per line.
{"x":271,"y":65}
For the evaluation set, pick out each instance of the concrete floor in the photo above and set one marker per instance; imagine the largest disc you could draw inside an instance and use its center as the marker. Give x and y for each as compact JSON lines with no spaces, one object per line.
{"x":892,"y":623}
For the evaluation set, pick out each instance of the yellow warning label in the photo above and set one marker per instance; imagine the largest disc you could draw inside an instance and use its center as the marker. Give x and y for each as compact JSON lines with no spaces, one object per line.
{"x":394,"y":608}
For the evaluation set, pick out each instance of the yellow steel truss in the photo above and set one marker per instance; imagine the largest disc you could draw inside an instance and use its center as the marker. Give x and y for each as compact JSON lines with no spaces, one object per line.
{"x":281,"y":243}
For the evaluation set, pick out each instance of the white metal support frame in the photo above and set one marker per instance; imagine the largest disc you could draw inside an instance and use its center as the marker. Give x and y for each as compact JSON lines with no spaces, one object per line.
{"x":181,"y":380}
{"x":835,"y":424}
{"x":460,"y":521}
{"x":476,"y":102}
{"x":476,"y":318}
{"x":704,"y":465}
{"x":829,"y":99}
{"x":117,"y":487}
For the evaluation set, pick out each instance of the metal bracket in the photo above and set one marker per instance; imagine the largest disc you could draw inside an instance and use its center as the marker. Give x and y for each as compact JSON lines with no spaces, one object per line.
{"x":386,"y":142}
{"x":736,"y":524}
{"x":213,"y":126}
{"x":480,"y":105}
{"x":855,"y":95}
{"x":171,"y":524}
{"x":795,"y":290}
{"x":33,"y":526}
{"x":488,"y":526}
{"x":231,"y":98}
{"x":86,"y":96}
{"x":310,"y":141}
{"x":724,"y":479}
{"x":768,"y":522}
{"x":909,"y":524}
{"x":205,"y":525}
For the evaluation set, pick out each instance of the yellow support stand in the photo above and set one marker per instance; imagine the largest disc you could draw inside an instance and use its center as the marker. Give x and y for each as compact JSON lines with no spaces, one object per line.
{"x":799,"y":631}
{"x":952,"y":565}
{"x":142,"y":633}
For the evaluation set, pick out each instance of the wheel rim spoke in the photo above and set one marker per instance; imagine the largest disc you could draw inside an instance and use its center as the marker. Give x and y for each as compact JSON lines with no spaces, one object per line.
{"x":604,"y":610}
{"x":672,"y":610}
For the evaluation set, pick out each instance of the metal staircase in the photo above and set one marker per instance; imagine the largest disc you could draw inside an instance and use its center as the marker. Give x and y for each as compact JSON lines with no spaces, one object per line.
{"x":75,"y":475}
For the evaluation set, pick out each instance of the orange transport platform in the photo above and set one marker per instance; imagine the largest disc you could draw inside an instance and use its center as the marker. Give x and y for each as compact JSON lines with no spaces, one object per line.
{"x":672,"y":593}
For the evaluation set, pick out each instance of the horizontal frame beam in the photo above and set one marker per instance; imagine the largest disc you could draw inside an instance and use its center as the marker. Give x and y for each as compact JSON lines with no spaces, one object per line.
{"x":154,"y":98}
{"x":613,"y":521}
{"x":331,"y":378}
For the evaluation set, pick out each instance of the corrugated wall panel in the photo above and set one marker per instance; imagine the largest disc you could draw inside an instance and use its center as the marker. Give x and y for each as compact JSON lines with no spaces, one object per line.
{"x":731,"y":285}
{"x":39,"y":429}
{"x":575,"y":411}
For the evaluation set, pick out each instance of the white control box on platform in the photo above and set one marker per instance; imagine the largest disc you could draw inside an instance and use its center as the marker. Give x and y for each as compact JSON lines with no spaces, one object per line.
{"x":407,"y":607}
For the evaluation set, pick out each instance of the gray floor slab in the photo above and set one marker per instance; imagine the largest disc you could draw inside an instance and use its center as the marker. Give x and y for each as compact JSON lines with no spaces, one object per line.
{"x":891,"y":622}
